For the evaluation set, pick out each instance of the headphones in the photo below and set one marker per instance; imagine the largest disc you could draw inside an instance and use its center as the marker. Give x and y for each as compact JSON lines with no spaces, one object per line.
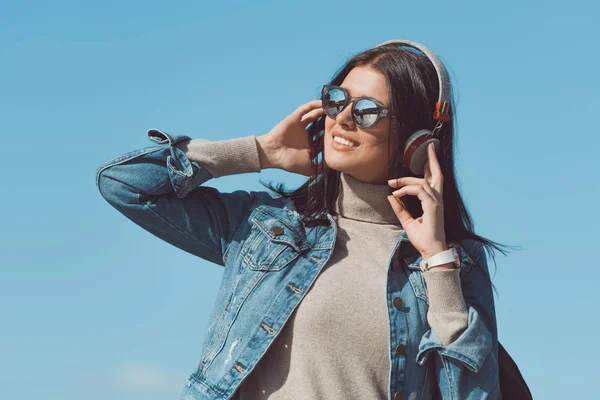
{"x":415,"y":149}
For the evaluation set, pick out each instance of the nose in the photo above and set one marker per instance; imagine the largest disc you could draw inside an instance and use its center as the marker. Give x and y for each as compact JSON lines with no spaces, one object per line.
{"x":345,"y":117}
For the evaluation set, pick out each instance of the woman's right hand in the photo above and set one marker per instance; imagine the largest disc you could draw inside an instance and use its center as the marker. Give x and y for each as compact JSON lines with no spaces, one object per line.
{"x":287,"y":146}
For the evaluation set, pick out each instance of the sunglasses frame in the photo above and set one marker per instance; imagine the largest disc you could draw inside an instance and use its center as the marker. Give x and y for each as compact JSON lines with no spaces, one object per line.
{"x":382,"y":111}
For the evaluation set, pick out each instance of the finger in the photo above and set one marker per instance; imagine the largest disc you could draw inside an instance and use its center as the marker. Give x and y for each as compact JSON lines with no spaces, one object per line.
{"x":427,"y":170}
{"x":431,"y":191}
{"x":434,"y":164}
{"x":434,"y":167}
{"x":306,"y":107}
{"x":411,"y":180}
{"x":428,"y":200}
{"x":400,"y":210}
{"x":312,"y":115}
{"x":405,"y":180}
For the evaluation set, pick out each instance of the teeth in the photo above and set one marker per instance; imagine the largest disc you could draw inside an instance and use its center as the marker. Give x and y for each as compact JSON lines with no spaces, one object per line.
{"x":344,"y":141}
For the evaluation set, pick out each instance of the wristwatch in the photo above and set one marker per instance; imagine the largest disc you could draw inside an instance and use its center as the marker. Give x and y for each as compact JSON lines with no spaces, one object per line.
{"x":444,"y":257}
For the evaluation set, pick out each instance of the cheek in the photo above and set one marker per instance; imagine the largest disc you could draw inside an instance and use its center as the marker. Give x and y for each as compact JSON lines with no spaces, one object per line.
{"x":328,"y":124}
{"x":374,"y":145}
{"x":375,"y":152}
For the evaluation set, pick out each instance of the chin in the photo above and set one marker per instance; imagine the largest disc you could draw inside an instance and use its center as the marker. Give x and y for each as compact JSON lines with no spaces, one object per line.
{"x":348,"y":166}
{"x":338,"y":165}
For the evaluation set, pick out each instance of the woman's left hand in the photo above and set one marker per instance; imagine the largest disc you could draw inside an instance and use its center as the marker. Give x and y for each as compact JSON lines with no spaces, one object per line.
{"x":426,"y":233}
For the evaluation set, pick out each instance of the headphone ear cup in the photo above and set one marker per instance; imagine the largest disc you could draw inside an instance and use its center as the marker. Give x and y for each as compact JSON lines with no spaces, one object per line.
{"x":415,"y":150}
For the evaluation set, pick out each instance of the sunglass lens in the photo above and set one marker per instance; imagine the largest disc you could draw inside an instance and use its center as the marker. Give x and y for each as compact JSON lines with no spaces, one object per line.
{"x":366,"y":113}
{"x":333,"y":101}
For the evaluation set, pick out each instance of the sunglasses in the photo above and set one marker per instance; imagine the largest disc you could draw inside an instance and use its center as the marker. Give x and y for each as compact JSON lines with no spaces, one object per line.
{"x":366,"y":111}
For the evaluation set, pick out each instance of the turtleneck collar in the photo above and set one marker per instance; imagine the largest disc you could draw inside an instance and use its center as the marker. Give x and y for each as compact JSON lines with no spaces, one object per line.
{"x":364,"y":201}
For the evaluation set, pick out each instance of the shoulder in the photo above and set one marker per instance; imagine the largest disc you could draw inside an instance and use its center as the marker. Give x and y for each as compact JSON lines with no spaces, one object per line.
{"x":274,"y":202}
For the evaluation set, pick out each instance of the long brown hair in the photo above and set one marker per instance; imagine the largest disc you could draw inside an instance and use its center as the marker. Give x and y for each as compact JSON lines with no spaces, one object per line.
{"x":413,"y":89}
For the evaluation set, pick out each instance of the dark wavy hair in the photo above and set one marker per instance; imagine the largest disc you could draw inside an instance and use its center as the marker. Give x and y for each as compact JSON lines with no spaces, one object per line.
{"x":413,"y":91}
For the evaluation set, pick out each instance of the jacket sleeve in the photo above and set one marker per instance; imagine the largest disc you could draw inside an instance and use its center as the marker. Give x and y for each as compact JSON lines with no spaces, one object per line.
{"x":159,"y":188}
{"x":467,"y":367}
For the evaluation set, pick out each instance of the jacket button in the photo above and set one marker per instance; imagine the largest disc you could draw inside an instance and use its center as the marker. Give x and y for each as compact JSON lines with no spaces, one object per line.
{"x":397,"y":302}
{"x":401,"y":349}
{"x":277,"y":230}
{"x":396,"y":264}
{"x":398,"y":396}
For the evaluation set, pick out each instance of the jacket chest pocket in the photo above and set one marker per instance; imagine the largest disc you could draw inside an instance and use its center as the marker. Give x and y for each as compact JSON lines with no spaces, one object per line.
{"x":273,"y":242}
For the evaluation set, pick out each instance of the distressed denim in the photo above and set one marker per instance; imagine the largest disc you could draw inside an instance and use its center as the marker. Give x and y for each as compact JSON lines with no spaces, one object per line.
{"x":271,"y":257}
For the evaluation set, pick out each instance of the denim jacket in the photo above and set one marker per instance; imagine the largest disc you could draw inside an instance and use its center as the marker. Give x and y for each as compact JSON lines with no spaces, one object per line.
{"x":271,"y":258}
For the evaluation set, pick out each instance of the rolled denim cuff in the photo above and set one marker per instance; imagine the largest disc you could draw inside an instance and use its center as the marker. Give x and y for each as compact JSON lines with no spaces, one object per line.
{"x":471,"y":347}
{"x":184,"y":175}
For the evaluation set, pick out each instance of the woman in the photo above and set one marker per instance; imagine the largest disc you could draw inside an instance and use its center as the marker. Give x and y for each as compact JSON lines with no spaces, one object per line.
{"x":367,"y":282}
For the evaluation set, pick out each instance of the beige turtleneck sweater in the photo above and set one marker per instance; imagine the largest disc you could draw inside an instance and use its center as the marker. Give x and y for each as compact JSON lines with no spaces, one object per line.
{"x":321,"y":352}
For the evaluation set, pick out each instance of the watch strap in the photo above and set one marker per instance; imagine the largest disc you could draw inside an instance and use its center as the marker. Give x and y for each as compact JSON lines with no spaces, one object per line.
{"x":444,"y":257}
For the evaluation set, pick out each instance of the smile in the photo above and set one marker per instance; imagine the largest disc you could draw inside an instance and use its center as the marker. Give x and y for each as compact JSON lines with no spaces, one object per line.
{"x":345,"y":141}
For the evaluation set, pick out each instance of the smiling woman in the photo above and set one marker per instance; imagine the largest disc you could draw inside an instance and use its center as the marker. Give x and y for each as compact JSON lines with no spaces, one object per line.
{"x":365,"y":282}
{"x":382,"y":102}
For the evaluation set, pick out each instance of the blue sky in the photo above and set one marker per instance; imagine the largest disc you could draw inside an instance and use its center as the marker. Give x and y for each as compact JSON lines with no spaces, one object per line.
{"x":92,"y":306}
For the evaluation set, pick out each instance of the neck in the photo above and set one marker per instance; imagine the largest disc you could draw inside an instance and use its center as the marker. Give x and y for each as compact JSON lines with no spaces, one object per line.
{"x":364,"y":201}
